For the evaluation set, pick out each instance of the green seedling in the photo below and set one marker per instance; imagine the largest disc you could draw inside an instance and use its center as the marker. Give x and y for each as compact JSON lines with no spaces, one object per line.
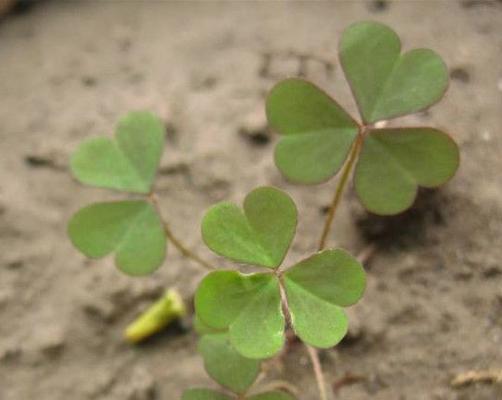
{"x":242,"y":317}
{"x":249,"y":305}
{"x":319,"y":135}
{"x":132,"y":229}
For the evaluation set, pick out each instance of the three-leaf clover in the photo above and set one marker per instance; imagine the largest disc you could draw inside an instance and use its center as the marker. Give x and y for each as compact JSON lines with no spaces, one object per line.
{"x":249,"y":305}
{"x":132,"y":229}
{"x":318,"y":135}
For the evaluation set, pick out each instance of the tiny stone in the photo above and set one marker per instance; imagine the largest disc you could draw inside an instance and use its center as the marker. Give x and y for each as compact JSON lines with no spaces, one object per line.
{"x":254,"y":128}
{"x":486,"y":136}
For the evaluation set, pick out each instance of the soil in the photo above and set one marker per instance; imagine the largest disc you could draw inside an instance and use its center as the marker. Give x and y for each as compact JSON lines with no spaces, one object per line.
{"x":68,"y":70}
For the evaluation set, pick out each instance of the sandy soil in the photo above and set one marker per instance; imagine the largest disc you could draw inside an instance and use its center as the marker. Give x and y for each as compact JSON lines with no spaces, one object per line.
{"x":67,"y":71}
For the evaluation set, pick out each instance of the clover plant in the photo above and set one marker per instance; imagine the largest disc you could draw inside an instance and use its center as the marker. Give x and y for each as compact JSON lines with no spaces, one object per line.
{"x":242,"y":317}
{"x":318,"y":135}
{"x":131,"y":229}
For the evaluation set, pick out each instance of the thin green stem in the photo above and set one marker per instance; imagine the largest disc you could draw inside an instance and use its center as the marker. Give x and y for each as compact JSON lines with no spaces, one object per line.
{"x":177,"y":242}
{"x":342,"y":183}
{"x":184,"y":250}
{"x":314,"y":356}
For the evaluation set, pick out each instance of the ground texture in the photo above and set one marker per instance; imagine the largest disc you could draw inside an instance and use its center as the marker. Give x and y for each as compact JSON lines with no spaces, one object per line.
{"x":68,"y":70}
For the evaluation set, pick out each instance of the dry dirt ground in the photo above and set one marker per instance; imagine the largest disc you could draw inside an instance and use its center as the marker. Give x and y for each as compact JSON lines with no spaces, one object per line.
{"x":68,"y":70}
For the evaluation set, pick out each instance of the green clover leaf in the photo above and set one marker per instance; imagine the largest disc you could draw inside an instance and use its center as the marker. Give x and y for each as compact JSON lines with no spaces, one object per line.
{"x":394,"y":162}
{"x":127,"y":163}
{"x":316,"y":132}
{"x":385,"y":83}
{"x":318,"y":135}
{"x":225,"y":365}
{"x":248,"y":305}
{"x":317,"y":288}
{"x":131,"y":229}
{"x":259,"y":235}
{"x":204,"y":394}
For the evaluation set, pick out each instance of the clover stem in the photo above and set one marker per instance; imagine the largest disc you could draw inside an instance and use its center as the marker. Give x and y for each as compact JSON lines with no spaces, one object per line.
{"x":184,"y":250}
{"x":314,"y":356}
{"x":340,"y":188}
{"x":175,"y":241}
{"x":319,"y":376}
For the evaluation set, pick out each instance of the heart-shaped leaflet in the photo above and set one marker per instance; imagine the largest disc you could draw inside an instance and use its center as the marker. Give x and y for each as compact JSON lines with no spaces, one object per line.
{"x":317,"y":289}
{"x":225,"y":365}
{"x":260,"y":235}
{"x":316,"y":132}
{"x":385,"y":83}
{"x":394,"y":162}
{"x":248,"y":305}
{"x":131,"y":229}
{"x":127,"y":163}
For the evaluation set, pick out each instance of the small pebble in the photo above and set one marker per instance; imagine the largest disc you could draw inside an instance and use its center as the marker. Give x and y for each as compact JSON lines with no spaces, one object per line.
{"x":254,"y":128}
